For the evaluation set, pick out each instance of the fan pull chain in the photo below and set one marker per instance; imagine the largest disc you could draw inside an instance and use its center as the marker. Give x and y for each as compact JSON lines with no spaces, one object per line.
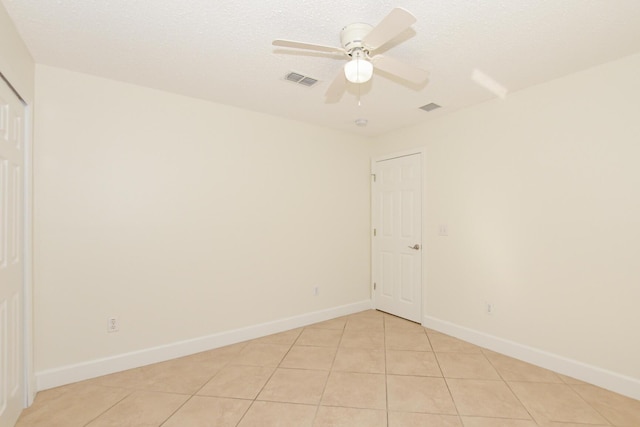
{"x":359,"y":84}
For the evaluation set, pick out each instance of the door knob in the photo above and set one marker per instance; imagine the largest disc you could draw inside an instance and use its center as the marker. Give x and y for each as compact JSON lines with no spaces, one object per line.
{"x":416,"y":247}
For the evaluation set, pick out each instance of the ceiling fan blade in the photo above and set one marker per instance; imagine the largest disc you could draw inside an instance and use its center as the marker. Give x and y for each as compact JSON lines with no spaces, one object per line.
{"x":336,"y":88}
{"x":307,"y":46}
{"x":393,"y":24}
{"x":400,"y":69}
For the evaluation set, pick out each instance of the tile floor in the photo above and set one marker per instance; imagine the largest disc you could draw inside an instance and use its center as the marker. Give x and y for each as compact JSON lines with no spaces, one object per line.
{"x":368,"y":369}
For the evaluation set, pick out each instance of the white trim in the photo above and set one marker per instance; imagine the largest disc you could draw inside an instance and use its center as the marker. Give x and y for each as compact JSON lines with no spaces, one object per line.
{"x":396,"y":154}
{"x":613,"y":381}
{"x":94,"y":368}
{"x":27,"y":290}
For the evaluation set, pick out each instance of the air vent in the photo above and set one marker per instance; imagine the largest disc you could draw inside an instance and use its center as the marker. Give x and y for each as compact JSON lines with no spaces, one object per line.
{"x":430,"y":107}
{"x":308,"y":81}
{"x":294,"y":77}
{"x":300,"y":79}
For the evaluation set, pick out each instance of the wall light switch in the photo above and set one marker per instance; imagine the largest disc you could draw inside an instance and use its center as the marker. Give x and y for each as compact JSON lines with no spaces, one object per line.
{"x":443,"y":230}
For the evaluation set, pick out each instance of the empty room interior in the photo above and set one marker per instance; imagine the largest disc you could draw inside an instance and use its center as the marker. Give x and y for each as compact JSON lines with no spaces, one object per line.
{"x":320,"y":214}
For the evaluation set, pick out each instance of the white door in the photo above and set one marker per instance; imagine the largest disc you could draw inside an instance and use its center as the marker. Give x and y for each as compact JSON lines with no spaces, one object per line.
{"x":397,"y":241}
{"x":11,"y":256}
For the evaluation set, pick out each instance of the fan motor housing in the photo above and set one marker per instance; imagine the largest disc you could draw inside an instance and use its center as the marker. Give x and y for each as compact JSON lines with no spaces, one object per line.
{"x":352,"y":35}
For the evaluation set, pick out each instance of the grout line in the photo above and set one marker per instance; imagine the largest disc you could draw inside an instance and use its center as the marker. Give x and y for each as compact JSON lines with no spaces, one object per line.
{"x":213,"y":376}
{"x":110,"y":407}
{"x":519,"y":400}
{"x":177,"y":409}
{"x":335,"y":356}
{"x":446,"y":383}
{"x":509,"y":387}
{"x":386,"y":376}
{"x":588,"y":404}
{"x":254,"y":399}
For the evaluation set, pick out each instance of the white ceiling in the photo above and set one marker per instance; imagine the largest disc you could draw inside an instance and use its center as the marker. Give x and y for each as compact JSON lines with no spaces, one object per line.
{"x":220,"y":50}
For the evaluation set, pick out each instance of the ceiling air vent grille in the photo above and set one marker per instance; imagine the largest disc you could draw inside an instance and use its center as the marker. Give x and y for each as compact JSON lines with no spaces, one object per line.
{"x":308,"y":81}
{"x":300,"y":79}
{"x":430,"y":107}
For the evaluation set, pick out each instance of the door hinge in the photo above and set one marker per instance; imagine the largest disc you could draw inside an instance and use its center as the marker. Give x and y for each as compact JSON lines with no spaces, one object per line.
{"x":374,"y":177}
{"x":375,"y":232}
{"x":374,"y":286}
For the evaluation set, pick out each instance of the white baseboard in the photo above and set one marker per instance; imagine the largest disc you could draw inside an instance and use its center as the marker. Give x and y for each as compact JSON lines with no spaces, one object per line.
{"x":618,"y":383}
{"x":94,"y":368}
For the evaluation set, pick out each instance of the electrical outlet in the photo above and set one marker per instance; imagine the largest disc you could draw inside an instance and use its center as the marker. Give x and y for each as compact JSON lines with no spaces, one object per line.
{"x":443,"y":230}
{"x":112,"y":324}
{"x":316,"y":291}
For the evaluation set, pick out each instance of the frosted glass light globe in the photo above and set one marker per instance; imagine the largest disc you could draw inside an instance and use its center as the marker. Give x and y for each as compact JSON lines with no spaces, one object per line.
{"x":358,"y":70}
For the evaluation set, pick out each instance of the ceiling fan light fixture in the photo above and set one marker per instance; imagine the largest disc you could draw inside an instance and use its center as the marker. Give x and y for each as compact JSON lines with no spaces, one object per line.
{"x":358,"y":70}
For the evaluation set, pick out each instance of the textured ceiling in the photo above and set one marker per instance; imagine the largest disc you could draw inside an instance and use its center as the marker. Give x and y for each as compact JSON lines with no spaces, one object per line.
{"x":220,"y":50}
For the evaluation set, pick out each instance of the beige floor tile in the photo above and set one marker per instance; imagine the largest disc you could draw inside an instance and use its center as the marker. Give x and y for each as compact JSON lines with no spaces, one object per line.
{"x":210,"y":361}
{"x":329,"y":416}
{"x":355,"y":390}
{"x":184,"y":375}
{"x":141,"y":409}
{"x":256,"y":354}
{"x":274,"y":414}
{"x":511,"y":369}
{"x":401,"y":339}
{"x":303,"y":357}
{"x":419,"y":394}
{"x":238,"y":381}
{"x":445,"y":343}
{"x":496,"y":422}
{"x":466,"y":365}
{"x":288,"y":373}
{"x":202,"y":411}
{"x":420,"y":363}
{"x":412,"y":419}
{"x":368,"y":314}
{"x":555,"y":402}
{"x":363,"y":339}
{"x":393,"y":323}
{"x":131,"y":379}
{"x":295,"y":386}
{"x":70,"y":406}
{"x":484,"y":398}
{"x":282,"y":338}
{"x":320,"y":337}
{"x":360,"y":360}
{"x":355,"y":323}
{"x":562,"y":424}
{"x":570,"y":380}
{"x":229,"y":350}
{"x":621,"y":411}
{"x":338,"y":323}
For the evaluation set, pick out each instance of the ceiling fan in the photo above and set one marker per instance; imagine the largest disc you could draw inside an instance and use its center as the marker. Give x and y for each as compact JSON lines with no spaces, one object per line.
{"x":359,"y":42}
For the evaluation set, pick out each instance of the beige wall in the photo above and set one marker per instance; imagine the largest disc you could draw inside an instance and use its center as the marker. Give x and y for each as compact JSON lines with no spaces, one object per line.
{"x":16,"y":63}
{"x":541,"y":195}
{"x":184,"y":218}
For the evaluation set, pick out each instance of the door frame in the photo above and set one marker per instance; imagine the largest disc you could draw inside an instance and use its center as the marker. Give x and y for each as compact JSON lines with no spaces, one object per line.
{"x":421,"y":151}
{"x":30,"y":388}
